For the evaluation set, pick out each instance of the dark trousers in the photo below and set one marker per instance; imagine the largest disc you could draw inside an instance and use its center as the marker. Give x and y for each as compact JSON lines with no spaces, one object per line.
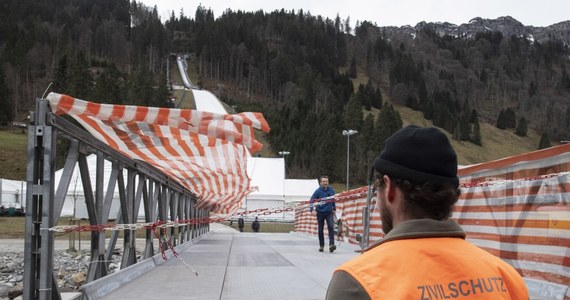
{"x":321,"y":217}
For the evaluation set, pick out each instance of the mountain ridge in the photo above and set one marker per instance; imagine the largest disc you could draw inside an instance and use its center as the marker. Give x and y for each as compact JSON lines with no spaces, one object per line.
{"x":507,"y":25}
{"x":299,"y":70}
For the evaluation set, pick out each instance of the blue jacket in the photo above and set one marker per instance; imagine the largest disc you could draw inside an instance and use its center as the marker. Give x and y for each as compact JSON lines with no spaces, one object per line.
{"x":324,"y":205}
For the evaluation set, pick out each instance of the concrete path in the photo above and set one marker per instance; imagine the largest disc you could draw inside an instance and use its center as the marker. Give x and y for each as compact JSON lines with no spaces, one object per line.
{"x":234,"y":265}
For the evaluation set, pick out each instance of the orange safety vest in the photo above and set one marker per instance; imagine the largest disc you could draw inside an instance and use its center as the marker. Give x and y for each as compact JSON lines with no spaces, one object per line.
{"x":434,"y":268}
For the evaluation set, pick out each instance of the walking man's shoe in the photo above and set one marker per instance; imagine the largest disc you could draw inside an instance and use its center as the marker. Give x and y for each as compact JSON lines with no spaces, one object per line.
{"x":321,"y":249}
{"x":332,"y":248}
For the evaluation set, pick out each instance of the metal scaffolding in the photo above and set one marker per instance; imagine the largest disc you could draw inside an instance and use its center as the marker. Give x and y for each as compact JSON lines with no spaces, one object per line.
{"x":163,"y":199}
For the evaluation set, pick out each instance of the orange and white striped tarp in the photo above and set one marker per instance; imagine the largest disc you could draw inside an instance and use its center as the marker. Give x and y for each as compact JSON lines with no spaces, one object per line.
{"x":517,"y":208}
{"x":203,"y":151}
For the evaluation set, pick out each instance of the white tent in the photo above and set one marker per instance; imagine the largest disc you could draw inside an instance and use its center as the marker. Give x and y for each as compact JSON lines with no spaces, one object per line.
{"x":300,"y":190}
{"x":74,"y":205}
{"x":267,"y":178}
{"x":12,"y":193}
{"x":273,"y":191}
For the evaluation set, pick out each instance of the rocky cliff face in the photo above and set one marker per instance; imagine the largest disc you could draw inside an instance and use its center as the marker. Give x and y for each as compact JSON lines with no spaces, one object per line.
{"x":506,"y":25}
{"x":559,"y":30}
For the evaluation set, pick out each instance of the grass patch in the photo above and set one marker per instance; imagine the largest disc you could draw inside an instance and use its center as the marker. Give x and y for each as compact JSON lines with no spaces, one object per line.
{"x":497,"y":143}
{"x":12,"y":227}
{"x":193,"y":68}
{"x":361,"y":79}
{"x":13,"y":158}
{"x":184,"y":99}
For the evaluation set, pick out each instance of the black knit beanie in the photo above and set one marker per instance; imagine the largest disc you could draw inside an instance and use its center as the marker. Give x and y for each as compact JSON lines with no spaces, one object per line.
{"x":419,"y":155}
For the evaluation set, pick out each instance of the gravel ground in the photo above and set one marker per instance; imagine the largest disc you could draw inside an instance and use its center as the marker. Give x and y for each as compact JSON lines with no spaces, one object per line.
{"x":70,"y":266}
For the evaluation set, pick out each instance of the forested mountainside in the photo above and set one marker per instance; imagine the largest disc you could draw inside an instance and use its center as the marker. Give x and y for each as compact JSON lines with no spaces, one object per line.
{"x":312,"y":77}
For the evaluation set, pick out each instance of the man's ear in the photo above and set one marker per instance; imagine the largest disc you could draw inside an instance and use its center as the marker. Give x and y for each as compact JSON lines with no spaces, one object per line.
{"x":390,"y":188}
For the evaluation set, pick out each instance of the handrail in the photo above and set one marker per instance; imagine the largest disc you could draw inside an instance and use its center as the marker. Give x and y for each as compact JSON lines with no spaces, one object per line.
{"x":164,"y":199}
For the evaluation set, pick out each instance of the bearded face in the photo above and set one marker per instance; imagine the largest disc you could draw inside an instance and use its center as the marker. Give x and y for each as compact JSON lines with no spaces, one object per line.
{"x":385,"y":214}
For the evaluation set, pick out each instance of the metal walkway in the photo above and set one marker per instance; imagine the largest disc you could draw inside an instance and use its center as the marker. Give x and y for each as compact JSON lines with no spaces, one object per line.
{"x":234,"y":265}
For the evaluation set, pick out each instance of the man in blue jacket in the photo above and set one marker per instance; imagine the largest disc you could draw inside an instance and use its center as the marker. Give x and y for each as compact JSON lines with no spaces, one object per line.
{"x":323,"y":203}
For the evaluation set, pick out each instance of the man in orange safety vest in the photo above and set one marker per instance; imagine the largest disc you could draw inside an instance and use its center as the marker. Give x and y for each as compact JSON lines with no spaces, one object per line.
{"x":423,"y":255}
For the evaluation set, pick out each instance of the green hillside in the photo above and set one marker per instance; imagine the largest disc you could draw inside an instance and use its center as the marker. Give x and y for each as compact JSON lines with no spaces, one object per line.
{"x":497,"y":143}
{"x":13,"y":154}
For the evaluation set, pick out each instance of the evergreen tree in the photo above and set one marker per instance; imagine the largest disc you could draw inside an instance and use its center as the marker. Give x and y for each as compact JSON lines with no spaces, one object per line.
{"x":387,"y":123}
{"x":483,"y":76}
{"x":365,"y":149}
{"x":475,"y":129}
{"x":382,"y":48}
{"x":464,"y":128}
{"x":109,"y":86}
{"x":61,"y":76}
{"x":532,"y":89}
{"x":377,"y":100}
{"x":162,"y":93}
{"x":422,"y":94}
{"x":429,"y":110}
{"x":476,"y":135}
{"x":352,"y":69}
{"x":565,"y":80}
{"x":6,"y":109}
{"x":361,"y":98}
{"x":455,"y":134}
{"x":353,"y":114}
{"x":568,"y":118}
{"x":368,"y":95}
{"x":510,"y":118}
{"x":443,"y":118}
{"x":327,"y":137}
{"x":501,"y":122}
{"x":367,"y":133}
{"x":544,"y":141}
{"x":81,"y":79}
{"x":139,"y":88}
{"x":474,"y":116}
{"x":412,"y":102}
{"x":522,"y":127}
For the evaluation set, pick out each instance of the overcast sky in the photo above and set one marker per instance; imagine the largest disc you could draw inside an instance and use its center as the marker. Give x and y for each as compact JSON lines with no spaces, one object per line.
{"x":389,"y":13}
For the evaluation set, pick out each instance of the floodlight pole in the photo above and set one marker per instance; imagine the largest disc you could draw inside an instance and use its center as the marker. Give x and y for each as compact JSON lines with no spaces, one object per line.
{"x":283,"y":154}
{"x":348,"y":133}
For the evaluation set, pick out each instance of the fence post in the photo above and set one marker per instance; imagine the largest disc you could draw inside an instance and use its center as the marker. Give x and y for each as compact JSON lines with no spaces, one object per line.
{"x":38,"y":248}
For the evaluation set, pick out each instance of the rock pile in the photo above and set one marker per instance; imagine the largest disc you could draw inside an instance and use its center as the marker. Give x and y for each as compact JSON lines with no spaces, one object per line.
{"x":70,"y":269}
